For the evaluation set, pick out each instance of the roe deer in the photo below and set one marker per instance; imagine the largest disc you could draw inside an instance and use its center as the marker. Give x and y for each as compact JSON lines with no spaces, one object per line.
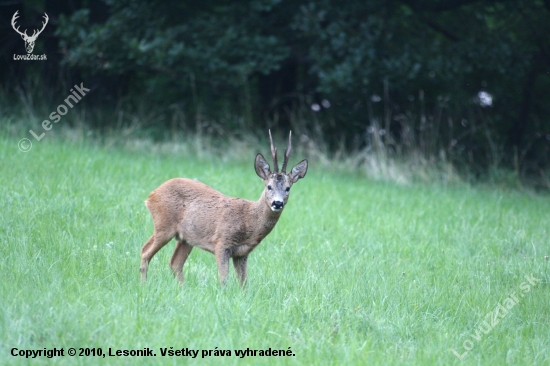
{"x":199,"y":216}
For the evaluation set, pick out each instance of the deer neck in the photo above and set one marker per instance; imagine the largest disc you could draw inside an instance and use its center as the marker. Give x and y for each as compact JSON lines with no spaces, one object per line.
{"x":264,"y":218}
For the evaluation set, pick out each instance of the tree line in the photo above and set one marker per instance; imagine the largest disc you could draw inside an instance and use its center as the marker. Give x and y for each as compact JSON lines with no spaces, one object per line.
{"x":468,"y":79}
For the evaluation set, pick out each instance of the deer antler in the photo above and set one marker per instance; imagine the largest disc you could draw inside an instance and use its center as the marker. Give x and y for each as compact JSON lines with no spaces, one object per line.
{"x":274,"y":154}
{"x":13,"y":19}
{"x":287,"y":152}
{"x":43,"y":26}
{"x":24,"y":34}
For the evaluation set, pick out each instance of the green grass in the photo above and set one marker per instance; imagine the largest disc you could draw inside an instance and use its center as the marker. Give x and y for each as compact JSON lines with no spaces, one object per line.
{"x":356,"y":272}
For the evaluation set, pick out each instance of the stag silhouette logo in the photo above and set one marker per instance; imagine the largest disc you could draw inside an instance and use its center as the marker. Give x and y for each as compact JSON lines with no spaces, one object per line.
{"x":29,"y":40}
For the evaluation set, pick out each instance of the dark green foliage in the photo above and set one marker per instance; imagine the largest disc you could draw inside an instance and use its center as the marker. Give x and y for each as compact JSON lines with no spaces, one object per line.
{"x":409,"y":71}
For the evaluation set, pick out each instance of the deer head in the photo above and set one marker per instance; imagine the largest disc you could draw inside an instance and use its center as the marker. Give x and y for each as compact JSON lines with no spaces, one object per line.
{"x":278,"y":183}
{"x":29,"y":41}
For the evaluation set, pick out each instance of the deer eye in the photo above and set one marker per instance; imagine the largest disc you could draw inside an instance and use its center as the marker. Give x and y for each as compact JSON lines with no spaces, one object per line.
{"x":269,"y":188}
{"x":288,"y":189}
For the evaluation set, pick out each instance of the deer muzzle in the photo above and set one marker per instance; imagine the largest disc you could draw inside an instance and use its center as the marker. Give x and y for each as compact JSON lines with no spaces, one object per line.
{"x":277,"y":206}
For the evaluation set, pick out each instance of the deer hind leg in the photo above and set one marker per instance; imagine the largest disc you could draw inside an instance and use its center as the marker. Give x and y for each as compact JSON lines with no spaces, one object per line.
{"x":151,"y":247}
{"x":179,"y":257}
{"x":240,"y":267}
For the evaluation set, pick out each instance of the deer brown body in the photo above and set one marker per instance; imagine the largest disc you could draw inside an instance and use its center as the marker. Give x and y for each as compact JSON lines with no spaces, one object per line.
{"x":199,"y":216}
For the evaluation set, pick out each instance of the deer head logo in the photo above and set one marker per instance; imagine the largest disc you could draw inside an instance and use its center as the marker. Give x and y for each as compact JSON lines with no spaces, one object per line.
{"x":29,"y":41}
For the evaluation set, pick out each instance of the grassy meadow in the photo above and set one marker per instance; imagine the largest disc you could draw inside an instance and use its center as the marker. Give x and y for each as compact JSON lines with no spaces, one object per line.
{"x":356,"y":272}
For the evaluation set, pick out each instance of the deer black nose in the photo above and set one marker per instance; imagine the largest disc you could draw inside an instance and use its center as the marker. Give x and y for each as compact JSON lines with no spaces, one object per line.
{"x":277,"y":205}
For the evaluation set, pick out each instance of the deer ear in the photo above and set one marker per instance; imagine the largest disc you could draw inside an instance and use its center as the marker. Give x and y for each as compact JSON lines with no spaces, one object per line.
{"x":262,"y":167}
{"x":299,"y":171}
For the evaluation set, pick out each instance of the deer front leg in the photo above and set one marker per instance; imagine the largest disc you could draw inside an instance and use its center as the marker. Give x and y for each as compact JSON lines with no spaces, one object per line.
{"x":240,"y":267}
{"x":222,"y":259}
